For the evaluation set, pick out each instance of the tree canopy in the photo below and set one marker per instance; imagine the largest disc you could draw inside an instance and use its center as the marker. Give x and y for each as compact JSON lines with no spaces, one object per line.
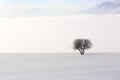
{"x":82,"y":45}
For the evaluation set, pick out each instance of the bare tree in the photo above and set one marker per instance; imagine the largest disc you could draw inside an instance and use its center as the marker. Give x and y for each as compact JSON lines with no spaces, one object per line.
{"x":82,"y":45}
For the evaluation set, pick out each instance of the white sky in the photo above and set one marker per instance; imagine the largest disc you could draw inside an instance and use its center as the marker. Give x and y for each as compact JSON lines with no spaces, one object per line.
{"x":56,"y":34}
{"x":14,"y":6}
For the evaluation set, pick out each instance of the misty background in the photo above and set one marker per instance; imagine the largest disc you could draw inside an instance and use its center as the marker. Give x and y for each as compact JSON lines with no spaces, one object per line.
{"x":52,"y":26}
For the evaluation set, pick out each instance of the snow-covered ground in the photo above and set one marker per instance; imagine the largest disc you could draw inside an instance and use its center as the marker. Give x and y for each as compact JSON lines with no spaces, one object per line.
{"x":94,"y":66}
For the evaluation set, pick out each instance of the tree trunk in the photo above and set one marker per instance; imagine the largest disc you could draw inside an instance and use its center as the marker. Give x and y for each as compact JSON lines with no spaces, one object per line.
{"x":82,"y":51}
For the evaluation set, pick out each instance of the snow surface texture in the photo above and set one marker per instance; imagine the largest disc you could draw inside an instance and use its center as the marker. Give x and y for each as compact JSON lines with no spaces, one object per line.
{"x":60,"y":66}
